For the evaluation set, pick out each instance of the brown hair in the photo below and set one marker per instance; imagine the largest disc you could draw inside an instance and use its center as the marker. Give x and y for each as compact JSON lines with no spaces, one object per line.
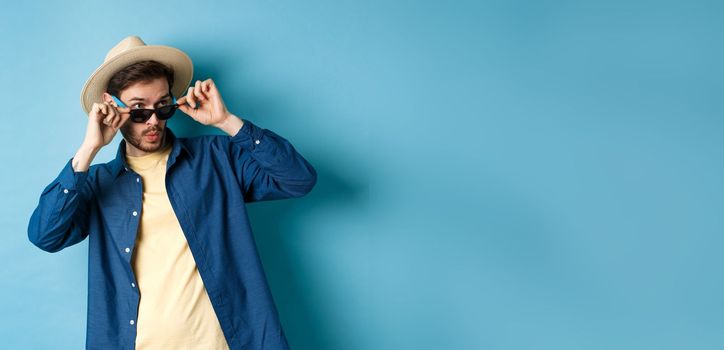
{"x":144,"y":71}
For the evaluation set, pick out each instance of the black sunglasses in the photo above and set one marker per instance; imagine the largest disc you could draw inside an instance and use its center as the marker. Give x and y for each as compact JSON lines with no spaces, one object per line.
{"x":142,"y":115}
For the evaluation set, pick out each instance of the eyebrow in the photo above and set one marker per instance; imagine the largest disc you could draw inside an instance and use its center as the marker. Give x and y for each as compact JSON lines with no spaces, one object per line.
{"x":143,"y":99}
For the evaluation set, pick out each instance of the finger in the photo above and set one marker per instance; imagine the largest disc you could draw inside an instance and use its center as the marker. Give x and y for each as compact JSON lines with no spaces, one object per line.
{"x":190,"y":97}
{"x":191,"y":112}
{"x":197,"y":91}
{"x":99,"y":113}
{"x":210,"y":87}
{"x":109,"y":118}
{"x":123,"y":119}
{"x":120,"y":115}
{"x":207,"y":87}
{"x":116,"y":121}
{"x":104,"y":109}
{"x":107,"y":121}
{"x":111,"y":110}
{"x":110,"y":122}
{"x":123,"y":110}
{"x":93,"y":114}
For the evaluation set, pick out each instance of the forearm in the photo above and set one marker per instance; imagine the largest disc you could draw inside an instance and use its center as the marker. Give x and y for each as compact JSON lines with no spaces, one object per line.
{"x":268,"y":166}
{"x":83,"y":158}
{"x":59,"y":220}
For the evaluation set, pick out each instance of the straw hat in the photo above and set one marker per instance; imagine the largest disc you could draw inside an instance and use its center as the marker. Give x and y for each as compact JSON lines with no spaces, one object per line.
{"x":129,"y":51}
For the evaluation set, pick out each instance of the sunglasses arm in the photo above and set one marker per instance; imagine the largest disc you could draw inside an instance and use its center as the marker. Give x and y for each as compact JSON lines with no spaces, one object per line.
{"x":123,"y":105}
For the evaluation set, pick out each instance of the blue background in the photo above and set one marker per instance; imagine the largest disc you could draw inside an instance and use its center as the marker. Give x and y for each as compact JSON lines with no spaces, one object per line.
{"x":492,"y":174}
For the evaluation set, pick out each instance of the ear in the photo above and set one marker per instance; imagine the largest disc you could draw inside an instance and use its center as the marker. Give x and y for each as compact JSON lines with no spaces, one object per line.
{"x":107,"y":98}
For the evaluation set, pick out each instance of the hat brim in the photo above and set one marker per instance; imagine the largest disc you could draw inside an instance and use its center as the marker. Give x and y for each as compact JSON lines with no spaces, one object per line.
{"x":174,"y":58}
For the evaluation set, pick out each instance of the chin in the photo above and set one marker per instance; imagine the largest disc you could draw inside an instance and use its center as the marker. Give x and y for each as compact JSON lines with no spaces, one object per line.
{"x":155,"y":146}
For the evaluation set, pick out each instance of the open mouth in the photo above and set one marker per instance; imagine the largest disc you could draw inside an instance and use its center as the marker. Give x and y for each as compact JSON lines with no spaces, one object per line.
{"x":153,"y":136}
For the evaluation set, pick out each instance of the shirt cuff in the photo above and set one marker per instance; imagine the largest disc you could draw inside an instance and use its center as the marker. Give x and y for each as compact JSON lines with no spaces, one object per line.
{"x":69,"y":178}
{"x":250,"y":136}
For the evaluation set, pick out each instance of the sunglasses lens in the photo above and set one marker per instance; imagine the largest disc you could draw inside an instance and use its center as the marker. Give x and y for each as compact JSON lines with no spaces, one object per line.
{"x":162,"y":113}
{"x":141,"y":115}
{"x":165,"y":112}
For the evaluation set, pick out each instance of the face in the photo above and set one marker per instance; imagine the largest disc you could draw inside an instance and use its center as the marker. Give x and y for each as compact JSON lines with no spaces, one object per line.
{"x":150,"y":136}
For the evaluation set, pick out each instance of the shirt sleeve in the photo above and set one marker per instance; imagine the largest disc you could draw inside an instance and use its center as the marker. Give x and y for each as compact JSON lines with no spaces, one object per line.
{"x":267,"y":166}
{"x":61,"y":217}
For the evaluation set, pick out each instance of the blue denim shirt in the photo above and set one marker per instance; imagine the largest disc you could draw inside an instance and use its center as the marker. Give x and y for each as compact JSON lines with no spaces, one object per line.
{"x":208,"y":180}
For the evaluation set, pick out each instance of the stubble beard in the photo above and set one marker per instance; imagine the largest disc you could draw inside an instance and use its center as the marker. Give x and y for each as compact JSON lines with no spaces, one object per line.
{"x":137,"y":140}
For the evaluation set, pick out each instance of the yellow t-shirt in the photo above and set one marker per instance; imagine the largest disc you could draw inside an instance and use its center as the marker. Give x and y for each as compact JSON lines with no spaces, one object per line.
{"x":174,"y":310}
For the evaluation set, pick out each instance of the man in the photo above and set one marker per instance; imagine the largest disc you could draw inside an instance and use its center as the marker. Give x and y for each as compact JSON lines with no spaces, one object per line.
{"x":172,"y":259}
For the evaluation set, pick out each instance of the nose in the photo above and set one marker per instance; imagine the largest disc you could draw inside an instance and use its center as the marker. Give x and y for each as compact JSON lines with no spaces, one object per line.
{"x":153,"y":120}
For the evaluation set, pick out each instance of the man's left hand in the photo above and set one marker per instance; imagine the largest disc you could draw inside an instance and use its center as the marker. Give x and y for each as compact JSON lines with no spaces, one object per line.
{"x":203,"y":103}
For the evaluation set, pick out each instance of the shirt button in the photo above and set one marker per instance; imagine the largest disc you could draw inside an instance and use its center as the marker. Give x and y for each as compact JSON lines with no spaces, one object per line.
{"x":65,"y":190}
{"x":126,"y":169}
{"x":257,"y":142}
{"x":138,"y":179}
{"x":135,"y":213}
{"x":133,"y":285}
{"x":128,"y":250}
{"x":132,"y":322}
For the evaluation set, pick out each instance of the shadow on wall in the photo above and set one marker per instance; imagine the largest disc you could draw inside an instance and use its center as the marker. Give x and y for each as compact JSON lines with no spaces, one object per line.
{"x":278,"y":224}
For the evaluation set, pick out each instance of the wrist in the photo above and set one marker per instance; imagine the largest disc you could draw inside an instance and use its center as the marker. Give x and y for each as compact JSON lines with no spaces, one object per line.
{"x":88,"y":148}
{"x":231,"y":124}
{"x":83,"y":158}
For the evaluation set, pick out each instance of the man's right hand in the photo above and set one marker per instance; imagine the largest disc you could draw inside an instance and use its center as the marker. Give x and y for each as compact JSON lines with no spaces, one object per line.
{"x":104,"y":120}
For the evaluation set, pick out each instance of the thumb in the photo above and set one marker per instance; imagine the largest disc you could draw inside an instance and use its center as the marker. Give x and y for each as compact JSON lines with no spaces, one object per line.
{"x":187,"y":109}
{"x":124,"y":110}
{"x":124,"y":118}
{"x":184,"y":102}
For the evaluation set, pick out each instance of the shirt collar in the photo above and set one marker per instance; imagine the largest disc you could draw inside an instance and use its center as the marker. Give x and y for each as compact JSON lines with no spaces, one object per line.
{"x":119,"y":163}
